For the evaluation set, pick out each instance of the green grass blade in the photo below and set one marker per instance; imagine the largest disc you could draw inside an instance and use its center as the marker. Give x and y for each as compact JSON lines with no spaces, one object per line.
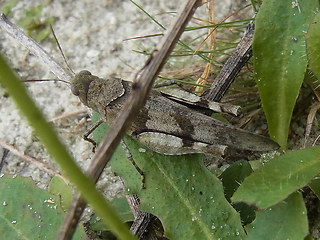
{"x":181,"y":43}
{"x":280,"y":60}
{"x":58,"y":151}
{"x":254,"y":6}
{"x":145,"y":12}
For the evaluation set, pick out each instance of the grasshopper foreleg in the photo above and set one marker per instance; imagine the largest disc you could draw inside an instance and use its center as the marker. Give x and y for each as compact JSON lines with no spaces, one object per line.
{"x":87,"y":138}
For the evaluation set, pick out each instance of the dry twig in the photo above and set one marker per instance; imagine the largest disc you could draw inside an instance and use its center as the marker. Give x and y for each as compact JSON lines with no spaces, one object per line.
{"x":240,"y":55}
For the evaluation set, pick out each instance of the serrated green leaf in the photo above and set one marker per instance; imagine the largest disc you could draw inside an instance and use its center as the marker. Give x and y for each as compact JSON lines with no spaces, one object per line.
{"x":182,"y":193}
{"x":313,"y":45}
{"x":27,"y":212}
{"x":280,"y":59}
{"x":121,"y":206}
{"x":280,"y":177}
{"x":286,"y":220}
{"x":59,"y":188}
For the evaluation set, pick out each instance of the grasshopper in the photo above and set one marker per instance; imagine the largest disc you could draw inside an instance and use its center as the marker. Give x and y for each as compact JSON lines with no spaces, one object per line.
{"x":164,"y":125}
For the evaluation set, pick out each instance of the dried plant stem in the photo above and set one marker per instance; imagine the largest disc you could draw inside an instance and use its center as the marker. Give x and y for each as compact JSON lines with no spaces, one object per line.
{"x":240,"y":55}
{"x":203,"y":79}
{"x":36,"y":162}
{"x":69,"y":114}
{"x":314,"y":108}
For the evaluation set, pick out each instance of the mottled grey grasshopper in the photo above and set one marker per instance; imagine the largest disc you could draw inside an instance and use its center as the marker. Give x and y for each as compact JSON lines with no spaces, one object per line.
{"x":164,"y":125}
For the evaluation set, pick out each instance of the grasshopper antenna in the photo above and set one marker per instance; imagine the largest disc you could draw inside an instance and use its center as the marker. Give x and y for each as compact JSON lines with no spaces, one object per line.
{"x":65,"y":60}
{"x":45,"y":80}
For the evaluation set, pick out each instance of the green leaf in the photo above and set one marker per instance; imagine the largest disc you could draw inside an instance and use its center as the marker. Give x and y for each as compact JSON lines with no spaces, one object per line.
{"x":61,"y":190}
{"x":27,"y":212}
{"x":313,"y":45}
{"x":247,"y":213}
{"x":233,"y":176}
{"x":33,"y":15}
{"x":280,"y":177}
{"x":309,"y":237}
{"x":182,"y":193}
{"x":231,"y":179}
{"x":280,"y":59}
{"x":6,"y":8}
{"x":286,"y":220}
{"x":101,"y":130}
{"x":37,"y":28}
{"x":315,"y":186}
{"x":121,"y":206}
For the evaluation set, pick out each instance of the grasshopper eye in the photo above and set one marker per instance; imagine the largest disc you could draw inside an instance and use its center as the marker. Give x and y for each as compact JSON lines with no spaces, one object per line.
{"x":85,"y":72}
{"x":80,"y":84}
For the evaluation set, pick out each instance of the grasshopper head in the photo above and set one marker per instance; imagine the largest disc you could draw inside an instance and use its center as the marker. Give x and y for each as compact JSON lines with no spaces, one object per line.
{"x":80,"y":84}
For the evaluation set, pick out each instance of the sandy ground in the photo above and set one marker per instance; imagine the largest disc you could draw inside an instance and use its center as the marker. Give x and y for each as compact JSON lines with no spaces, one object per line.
{"x":91,"y":34}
